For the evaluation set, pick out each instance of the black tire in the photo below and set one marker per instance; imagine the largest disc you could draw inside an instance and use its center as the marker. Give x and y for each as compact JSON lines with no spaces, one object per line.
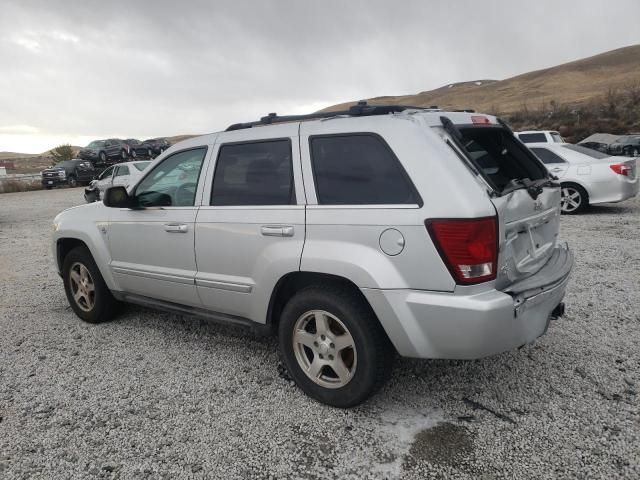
{"x":105,"y":306}
{"x":582,"y":199}
{"x":374,"y":351}
{"x":149,"y":153}
{"x":124,"y":155}
{"x":133,"y":154}
{"x":72,"y":181}
{"x":48,"y":188}
{"x":103,"y":158}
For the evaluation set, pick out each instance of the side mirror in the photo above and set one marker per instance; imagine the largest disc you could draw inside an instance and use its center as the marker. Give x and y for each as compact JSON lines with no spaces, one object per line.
{"x":117,"y":197}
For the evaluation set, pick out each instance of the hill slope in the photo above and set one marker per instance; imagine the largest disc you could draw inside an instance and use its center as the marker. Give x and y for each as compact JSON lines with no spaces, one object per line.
{"x":572,"y":83}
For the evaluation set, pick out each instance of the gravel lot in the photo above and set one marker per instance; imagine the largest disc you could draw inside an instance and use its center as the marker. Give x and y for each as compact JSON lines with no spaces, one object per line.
{"x":155,"y":395}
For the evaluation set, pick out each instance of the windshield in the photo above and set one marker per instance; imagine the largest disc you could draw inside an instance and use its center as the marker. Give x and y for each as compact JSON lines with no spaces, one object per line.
{"x":95,"y":144}
{"x":586,"y":151}
{"x":141,"y":165}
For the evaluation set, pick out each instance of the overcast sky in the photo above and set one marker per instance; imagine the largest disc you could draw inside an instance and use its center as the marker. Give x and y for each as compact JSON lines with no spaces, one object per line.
{"x":73,"y":71}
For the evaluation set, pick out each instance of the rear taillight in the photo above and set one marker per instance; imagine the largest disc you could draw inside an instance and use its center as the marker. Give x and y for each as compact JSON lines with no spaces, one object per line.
{"x":621,"y":169}
{"x":468,"y":247}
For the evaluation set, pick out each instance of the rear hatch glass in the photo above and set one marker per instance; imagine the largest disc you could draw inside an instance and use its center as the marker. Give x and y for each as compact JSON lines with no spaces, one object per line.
{"x":526,"y":199}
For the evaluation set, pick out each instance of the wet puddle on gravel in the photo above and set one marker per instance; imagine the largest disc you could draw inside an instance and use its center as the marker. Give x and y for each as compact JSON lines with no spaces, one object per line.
{"x":411,"y":437}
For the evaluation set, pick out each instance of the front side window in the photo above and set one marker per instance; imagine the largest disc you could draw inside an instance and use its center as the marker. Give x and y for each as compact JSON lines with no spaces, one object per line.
{"x":173,"y":182}
{"x":106,"y":173}
{"x":358,"y":169}
{"x":532,"y":137}
{"x":547,"y":156}
{"x":140,"y":166}
{"x":256,"y":173}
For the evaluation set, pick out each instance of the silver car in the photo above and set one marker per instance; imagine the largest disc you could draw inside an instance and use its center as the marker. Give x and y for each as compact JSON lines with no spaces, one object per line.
{"x":588,"y":177}
{"x":120,"y":174}
{"x":354,"y":236}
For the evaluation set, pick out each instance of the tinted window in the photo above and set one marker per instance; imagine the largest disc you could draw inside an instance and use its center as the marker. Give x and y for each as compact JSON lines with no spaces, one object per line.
{"x":106,"y":173}
{"x":586,"y":151}
{"x":173,"y":182}
{"x":547,"y":156}
{"x":358,"y":170}
{"x":532,"y":137}
{"x":257,"y":173}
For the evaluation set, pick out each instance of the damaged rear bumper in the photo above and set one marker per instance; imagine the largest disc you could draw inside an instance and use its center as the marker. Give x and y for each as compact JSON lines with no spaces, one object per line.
{"x":465,"y":325}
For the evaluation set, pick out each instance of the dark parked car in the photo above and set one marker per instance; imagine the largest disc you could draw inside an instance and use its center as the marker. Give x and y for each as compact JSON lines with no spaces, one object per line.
{"x":155,"y":146}
{"x":102,"y":152}
{"x":136,"y":148}
{"x":628,"y":145}
{"x":69,"y":172}
{"x":597,"y":146}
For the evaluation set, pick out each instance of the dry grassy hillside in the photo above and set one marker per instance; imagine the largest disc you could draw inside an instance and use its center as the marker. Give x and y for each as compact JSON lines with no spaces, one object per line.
{"x":573,"y":83}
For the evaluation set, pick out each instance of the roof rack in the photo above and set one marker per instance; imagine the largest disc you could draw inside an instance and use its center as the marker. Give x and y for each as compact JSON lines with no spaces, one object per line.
{"x":361,"y":109}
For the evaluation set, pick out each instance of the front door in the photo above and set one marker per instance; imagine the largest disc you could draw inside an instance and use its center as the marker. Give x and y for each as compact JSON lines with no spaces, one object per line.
{"x":151,"y":246}
{"x":251,"y":226}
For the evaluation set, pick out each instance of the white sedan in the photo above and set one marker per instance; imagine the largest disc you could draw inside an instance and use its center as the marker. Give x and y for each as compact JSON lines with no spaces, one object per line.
{"x":119,"y":174}
{"x":588,"y":177}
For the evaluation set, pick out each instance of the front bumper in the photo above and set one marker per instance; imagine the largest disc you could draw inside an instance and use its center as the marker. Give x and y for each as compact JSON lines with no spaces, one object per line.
{"x":467,"y":325}
{"x":54,"y":181}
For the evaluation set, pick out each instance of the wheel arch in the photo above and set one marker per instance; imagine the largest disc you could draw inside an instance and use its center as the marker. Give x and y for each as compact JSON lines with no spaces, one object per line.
{"x":577,"y":184}
{"x":65,"y":244}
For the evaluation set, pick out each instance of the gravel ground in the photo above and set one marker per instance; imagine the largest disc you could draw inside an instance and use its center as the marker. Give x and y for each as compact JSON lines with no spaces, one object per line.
{"x":155,"y":395}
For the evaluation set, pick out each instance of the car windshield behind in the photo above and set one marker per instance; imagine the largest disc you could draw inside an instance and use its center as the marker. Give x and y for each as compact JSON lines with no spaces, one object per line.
{"x":586,"y":151}
{"x":96,"y":144}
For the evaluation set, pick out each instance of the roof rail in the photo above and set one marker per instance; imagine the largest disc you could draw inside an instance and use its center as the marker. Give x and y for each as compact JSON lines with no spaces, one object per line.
{"x":361,"y":109}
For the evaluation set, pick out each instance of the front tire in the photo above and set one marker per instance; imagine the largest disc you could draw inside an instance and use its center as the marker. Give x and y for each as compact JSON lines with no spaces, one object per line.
{"x":88,"y":295}
{"x":333,"y":346}
{"x":574,"y":199}
{"x":72,"y":181}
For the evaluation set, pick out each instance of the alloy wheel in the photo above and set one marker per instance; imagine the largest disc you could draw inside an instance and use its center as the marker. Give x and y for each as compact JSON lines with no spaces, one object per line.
{"x":82,"y":286}
{"x":324,"y":349}
{"x":571,"y":199}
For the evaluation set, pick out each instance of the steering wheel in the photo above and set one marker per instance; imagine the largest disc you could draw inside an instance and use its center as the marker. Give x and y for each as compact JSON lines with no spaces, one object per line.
{"x":184,"y":194}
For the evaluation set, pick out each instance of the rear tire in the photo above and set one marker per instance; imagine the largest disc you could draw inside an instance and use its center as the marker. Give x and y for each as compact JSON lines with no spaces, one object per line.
{"x":574,"y":199}
{"x":333,"y":346}
{"x":103,"y":158}
{"x":72,"y":181}
{"x":88,"y":295}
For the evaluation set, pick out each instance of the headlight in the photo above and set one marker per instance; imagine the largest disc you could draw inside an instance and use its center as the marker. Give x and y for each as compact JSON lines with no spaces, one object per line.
{"x":62,"y":174}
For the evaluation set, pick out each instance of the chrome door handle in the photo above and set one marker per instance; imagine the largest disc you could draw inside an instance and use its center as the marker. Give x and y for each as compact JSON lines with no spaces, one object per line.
{"x":277,"y":230}
{"x":176,"y":227}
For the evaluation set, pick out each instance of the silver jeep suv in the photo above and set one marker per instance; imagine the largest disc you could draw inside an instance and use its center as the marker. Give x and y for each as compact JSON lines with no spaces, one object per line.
{"x":351,"y":235}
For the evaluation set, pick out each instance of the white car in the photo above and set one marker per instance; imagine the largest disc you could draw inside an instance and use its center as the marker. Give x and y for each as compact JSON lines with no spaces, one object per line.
{"x":123,"y":174}
{"x":587,"y":176}
{"x":540,"y":136}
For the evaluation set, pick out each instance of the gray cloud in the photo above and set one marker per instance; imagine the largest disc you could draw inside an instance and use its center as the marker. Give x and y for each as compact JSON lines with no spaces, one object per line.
{"x":98,"y":68}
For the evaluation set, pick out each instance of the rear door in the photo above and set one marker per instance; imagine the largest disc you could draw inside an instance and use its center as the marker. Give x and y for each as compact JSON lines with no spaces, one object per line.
{"x":528,"y":217}
{"x":250,"y":229}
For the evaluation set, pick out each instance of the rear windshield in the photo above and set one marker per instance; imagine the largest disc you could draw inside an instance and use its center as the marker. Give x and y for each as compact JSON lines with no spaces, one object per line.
{"x":500,"y":157}
{"x":586,"y":151}
{"x":556,"y":137}
{"x":532,"y":137}
{"x":141,"y":165}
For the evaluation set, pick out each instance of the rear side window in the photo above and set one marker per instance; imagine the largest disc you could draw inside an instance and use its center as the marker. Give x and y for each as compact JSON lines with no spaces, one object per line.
{"x":532,"y":137}
{"x":359,"y":169}
{"x":547,"y":156}
{"x":500,"y":157}
{"x":256,"y":173}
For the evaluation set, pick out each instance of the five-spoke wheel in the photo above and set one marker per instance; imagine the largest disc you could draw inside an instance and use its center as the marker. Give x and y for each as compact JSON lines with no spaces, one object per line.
{"x":573,"y":199}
